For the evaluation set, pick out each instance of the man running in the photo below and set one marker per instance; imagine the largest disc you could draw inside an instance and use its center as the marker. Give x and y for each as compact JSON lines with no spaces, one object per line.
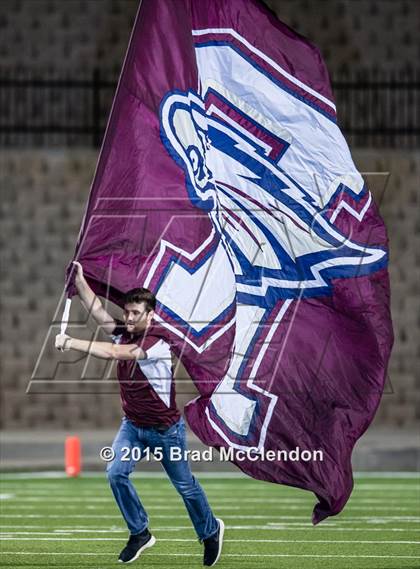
{"x":151,"y":418}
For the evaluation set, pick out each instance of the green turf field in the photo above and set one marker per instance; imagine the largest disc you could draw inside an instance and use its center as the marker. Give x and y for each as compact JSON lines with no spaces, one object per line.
{"x":59,"y":522}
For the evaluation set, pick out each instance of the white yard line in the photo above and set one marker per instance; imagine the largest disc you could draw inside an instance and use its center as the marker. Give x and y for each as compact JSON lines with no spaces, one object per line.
{"x":303,"y":527}
{"x":10,"y":536}
{"x":364,"y":487}
{"x":224,"y":555}
{"x":273,"y":507}
{"x":214,"y":474}
{"x":259,"y":487}
{"x":280,"y":492}
{"x":383,"y":504}
{"x":269,"y":493}
{"x":368,"y":519}
{"x":378,"y":474}
{"x":17,"y":479}
{"x":163,"y":482}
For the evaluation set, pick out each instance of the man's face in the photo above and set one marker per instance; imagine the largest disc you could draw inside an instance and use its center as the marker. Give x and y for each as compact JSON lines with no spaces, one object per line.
{"x":136,"y":317}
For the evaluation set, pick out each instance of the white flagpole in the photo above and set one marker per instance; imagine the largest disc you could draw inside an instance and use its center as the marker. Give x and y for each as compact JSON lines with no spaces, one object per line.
{"x":65,"y":317}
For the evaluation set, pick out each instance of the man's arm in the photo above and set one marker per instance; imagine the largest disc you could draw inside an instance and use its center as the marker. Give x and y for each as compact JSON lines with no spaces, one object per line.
{"x":103,"y":350}
{"x":92,"y":303}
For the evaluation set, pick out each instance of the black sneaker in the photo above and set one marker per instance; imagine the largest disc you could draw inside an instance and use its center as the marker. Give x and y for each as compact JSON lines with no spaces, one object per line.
{"x":135,"y":545}
{"x":213,"y":546}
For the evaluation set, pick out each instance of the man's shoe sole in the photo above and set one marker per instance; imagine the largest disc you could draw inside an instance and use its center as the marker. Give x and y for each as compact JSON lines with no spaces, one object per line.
{"x":149,"y":543}
{"x":222,"y":531}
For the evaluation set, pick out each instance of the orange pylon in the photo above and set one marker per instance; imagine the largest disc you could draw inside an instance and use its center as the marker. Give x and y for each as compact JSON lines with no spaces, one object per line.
{"x":72,"y":456}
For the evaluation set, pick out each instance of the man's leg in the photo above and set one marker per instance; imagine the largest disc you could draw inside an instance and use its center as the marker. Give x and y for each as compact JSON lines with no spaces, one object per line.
{"x":179,"y":472}
{"x":118,"y":472}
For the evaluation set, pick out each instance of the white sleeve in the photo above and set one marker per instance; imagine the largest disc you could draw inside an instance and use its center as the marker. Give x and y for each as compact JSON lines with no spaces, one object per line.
{"x":159,"y":351}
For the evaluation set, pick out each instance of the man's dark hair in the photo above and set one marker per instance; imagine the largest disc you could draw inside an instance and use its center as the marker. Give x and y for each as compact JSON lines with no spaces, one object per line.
{"x":139,"y":295}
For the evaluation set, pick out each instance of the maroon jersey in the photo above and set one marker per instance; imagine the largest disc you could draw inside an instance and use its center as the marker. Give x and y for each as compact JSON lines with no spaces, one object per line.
{"x":147,"y":387}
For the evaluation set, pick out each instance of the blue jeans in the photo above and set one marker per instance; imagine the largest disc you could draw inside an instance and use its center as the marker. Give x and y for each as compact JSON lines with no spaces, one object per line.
{"x":118,"y":471}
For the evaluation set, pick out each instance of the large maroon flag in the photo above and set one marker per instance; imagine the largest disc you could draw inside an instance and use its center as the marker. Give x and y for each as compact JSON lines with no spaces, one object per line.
{"x":225,"y":185}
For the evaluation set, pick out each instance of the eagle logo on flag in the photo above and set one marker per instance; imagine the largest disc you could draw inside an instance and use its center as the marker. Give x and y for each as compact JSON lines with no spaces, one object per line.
{"x":281,"y":244}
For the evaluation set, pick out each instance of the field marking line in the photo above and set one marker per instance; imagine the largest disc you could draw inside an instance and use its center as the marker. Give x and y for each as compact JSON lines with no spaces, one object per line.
{"x":220,"y":503}
{"x":6,"y":537}
{"x":216,"y":505}
{"x":278,"y":527}
{"x":58,"y":475}
{"x":347,"y":520}
{"x":279,"y":490}
{"x":172,"y":497}
{"x":224,"y":555}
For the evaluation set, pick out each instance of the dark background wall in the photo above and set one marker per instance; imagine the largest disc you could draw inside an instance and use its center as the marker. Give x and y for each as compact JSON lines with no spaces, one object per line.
{"x":62,"y":35}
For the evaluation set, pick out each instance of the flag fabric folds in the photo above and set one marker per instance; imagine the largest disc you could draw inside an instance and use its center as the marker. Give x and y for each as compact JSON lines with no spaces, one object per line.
{"x":225,"y":186}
